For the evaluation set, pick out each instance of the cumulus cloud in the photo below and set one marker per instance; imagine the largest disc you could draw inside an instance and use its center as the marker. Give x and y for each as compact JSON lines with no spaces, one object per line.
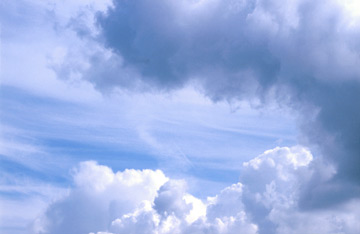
{"x":264,"y":201}
{"x":304,"y":54}
{"x":99,"y":196}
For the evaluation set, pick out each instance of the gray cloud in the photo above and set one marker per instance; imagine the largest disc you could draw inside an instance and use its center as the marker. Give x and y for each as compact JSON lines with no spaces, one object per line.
{"x":171,"y":42}
{"x":305,"y":54}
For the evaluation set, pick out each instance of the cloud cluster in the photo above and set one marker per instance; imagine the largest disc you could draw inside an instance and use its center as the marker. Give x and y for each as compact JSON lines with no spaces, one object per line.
{"x":264,"y":201}
{"x":230,"y":44}
{"x":99,"y":196}
{"x":303,"y":54}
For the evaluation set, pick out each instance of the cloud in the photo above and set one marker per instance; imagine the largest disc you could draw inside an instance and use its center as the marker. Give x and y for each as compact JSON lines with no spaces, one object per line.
{"x":266,"y":200}
{"x":231,"y":43}
{"x":303,"y":54}
{"x":99,"y":197}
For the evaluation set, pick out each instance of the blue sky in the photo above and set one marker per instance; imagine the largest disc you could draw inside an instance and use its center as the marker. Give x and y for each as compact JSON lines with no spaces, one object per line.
{"x":204,"y":116}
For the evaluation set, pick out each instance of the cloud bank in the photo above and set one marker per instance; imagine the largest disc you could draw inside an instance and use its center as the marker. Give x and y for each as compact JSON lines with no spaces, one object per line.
{"x":145,"y":201}
{"x":302,"y":54}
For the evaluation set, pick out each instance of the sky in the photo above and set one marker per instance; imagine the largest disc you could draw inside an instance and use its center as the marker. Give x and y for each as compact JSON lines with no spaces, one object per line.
{"x":179,"y":116}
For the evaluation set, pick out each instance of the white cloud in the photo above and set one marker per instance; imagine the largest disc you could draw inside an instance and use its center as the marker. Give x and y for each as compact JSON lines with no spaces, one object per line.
{"x":133,"y":201}
{"x":99,"y":197}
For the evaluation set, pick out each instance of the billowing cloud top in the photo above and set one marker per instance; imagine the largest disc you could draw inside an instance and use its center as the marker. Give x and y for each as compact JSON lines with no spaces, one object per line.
{"x":133,"y":201}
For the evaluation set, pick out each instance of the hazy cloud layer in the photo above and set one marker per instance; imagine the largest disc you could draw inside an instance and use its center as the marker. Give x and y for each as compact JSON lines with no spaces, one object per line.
{"x":264,"y":201}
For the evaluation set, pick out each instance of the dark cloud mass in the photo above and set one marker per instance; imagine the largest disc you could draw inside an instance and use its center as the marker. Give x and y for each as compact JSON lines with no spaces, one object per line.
{"x":305,"y":54}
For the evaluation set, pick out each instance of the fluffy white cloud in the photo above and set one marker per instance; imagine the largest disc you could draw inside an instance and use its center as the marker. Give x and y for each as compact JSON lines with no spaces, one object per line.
{"x":266,"y":200}
{"x":99,"y":197}
{"x":274,"y":183}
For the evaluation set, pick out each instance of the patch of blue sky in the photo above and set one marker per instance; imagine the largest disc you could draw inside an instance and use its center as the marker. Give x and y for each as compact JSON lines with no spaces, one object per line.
{"x":241,"y":143}
{"x":183,"y":133}
{"x":118,"y":157}
{"x":167,"y":135}
{"x":21,"y":171}
{"x":39,"y":146}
